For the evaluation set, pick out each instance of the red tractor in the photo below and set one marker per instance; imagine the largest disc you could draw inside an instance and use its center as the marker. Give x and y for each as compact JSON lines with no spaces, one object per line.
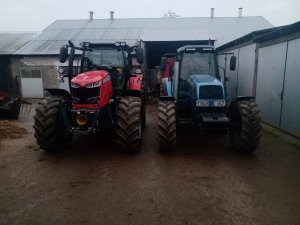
{"x":106,"y":93}
{"x":165,"y":70}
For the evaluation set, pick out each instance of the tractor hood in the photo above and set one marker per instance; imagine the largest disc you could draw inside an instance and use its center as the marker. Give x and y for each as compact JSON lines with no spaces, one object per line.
{"x":205,"y":80}
{"x":85,"y":78}
{"x":207,"y":87}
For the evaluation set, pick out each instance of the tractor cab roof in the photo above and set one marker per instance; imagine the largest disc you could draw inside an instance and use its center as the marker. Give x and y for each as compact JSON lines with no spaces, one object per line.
{"x":104,"y":45}
{"x":195,"y":48}
{"x":169,"y":55}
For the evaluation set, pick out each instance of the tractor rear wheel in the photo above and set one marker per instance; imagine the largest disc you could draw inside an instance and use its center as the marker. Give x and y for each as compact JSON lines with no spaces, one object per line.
{"x":166,"y":125}
{"x":246,"y":134}
{"x":50,"y":131}
{"x":128,"y":132}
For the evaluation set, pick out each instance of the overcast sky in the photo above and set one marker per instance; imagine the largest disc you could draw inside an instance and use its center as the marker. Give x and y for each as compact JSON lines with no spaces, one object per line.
{"x":36,"y":15}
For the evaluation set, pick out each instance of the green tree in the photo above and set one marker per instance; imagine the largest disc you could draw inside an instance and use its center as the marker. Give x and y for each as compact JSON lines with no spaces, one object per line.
{"x":170,"y":14}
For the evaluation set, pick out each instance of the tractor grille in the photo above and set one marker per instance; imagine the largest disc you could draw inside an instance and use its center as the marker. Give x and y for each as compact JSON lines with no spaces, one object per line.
{"x":82,"y":94}
{"x":214,"y":117}
{"x":211,"y":92}
{"x":212,"y":110}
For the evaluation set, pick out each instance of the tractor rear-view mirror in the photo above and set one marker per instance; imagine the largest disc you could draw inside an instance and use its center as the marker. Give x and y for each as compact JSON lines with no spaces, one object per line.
{"x":163,"y":63}
{"x":63,"y":54}
{"x":139,"y":55}
{"x":232,"y":63}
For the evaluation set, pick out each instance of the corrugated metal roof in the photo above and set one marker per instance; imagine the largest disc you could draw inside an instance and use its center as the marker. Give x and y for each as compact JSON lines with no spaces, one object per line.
{"x":280,"y":32}
{"x":221,"y":29}
{"x":263,"y":35}
{"x":10,"y":42}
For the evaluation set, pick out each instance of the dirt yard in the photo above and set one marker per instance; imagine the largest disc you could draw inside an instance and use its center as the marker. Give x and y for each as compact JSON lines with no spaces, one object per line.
{"x":203,"y":182}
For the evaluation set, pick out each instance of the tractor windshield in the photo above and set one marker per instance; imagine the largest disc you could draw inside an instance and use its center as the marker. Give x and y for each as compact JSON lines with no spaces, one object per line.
{"x":97,"y":58}
{"x":198,"y":63}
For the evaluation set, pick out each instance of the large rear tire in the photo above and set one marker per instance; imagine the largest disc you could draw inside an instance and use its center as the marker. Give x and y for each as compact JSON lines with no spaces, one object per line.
{"x":128,"y":132}
{"x":166,"y":126}
{"x":50,"y":131}
{"x":246,"y":134}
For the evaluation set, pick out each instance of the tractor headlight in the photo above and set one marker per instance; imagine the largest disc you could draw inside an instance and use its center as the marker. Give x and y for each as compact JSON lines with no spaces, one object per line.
{"x":74,"y":85}
{"x":202,"y":103}
{"x":93,"y":100}
{"x":123,"y":44}
{"x":93,"y":85}
{"x":219,"y":103}
{"x":75,"y":100}
{"x":81,"y":120}
{"x":61,"y":71}
{"x":84,"y":44}
{"x":138,"y":71}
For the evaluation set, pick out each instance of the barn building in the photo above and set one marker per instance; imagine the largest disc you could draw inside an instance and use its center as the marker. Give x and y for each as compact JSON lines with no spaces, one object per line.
{"x":37,"y":61}
{"x":9,"y":44}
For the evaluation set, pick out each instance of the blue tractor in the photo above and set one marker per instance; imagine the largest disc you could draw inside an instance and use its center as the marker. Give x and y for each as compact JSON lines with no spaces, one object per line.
{"x":195,"y":93}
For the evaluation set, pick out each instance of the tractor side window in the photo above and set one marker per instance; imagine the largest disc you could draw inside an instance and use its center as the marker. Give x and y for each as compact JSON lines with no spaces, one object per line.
{"x":87,"y":61}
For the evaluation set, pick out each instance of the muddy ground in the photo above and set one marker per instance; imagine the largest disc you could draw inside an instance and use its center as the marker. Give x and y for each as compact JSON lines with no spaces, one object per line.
{"x":203,"y":182}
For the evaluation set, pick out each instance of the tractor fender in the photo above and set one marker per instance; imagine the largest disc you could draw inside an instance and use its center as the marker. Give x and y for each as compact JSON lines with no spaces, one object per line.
{"x":167,"y":86}
{"x":135,"y":82}
{"x":58,"y":92}
{"x":239,"y":98}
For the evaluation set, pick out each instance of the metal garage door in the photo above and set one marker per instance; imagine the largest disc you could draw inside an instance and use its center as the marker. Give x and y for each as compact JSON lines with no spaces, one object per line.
{"x":232,"y":83}
{"x":291,"y":104}
{"x":32,"y":83}
{"x":245,"y":67}
{"x":270,"y":76}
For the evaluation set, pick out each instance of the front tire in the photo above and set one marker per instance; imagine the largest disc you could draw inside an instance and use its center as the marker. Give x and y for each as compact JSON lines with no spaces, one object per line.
{"x":245,"y":136}
{"x":50,"y":131}
{"x":129,"y":125}
{"x":166,"y":126}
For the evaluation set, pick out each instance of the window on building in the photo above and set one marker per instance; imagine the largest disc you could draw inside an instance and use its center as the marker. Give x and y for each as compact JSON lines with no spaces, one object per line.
{"x":31,"y":73}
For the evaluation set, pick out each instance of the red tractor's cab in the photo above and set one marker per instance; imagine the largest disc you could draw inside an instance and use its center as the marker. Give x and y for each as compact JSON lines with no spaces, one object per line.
{"x":113,"y":59}
{"x":166,"y":65}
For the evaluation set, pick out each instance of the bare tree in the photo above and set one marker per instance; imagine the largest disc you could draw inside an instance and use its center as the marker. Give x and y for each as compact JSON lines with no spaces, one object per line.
{"x":170,"y":14}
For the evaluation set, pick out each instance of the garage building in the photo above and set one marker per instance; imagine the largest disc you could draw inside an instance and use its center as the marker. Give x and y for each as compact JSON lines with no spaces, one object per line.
{"x":268,"y":68}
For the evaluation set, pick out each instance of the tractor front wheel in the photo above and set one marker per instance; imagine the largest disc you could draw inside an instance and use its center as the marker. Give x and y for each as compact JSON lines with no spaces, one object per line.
{"x":166,"y":125}
{"x":50,"y":130}
{"x":128,"y":132}
{"x":246,"y":132}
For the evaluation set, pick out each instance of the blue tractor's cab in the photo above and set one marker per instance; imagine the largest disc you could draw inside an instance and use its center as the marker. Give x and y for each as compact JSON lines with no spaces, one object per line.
{"x":195,"y":93}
